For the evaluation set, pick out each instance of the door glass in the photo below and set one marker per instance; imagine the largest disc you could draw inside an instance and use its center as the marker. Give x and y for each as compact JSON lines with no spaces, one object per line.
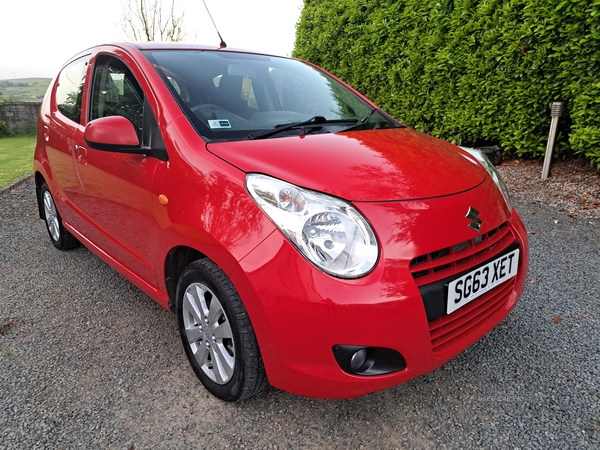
{"x":116,"y":93}
{"x":69,"y":91}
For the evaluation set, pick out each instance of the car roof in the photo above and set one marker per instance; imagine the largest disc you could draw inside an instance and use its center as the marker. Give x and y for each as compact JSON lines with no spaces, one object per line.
{"x":175,"y":46}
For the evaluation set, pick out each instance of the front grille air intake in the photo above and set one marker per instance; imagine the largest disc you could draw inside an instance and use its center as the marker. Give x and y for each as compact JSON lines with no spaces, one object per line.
{"x":433,"y":271}
{"x":445,"y":262}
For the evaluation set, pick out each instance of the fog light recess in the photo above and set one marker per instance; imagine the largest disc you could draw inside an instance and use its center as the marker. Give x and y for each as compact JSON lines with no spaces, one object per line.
{"x":359,"y":360}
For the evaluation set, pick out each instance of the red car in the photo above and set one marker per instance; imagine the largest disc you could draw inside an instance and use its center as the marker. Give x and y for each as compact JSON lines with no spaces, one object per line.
{"x":304,"y":238}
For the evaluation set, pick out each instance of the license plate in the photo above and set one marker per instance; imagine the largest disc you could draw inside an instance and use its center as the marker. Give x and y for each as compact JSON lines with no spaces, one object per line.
{"x":477,"y":282}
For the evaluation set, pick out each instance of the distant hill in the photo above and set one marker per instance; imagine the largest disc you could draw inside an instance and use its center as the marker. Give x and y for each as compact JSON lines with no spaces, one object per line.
{"x":24,"y":89}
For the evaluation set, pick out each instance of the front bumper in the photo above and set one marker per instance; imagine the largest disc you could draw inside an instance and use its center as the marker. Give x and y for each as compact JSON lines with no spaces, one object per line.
{"x":299,"y":313}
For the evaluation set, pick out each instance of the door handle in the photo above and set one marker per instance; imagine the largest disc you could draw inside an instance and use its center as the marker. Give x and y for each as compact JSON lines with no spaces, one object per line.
{"x":81,"y":154}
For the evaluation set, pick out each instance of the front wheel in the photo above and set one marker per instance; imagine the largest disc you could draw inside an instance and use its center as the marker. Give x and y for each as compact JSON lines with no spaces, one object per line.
{"x":59,"y":236}
{"x":216,"y":333}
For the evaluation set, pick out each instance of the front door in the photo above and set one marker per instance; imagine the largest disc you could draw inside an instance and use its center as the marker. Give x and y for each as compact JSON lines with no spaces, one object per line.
{"x":115,"y":191}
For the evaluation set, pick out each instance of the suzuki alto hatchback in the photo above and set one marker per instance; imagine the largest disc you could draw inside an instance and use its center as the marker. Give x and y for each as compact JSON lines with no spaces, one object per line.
{"x":303,"y":237}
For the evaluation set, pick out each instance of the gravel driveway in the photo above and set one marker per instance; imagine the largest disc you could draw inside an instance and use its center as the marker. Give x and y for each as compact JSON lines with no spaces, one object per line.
{"x":87,"y":360}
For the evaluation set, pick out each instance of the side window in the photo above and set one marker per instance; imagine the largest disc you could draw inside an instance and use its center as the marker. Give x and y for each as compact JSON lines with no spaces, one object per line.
{"x":116,"y":92}
{"x":69,"y":91}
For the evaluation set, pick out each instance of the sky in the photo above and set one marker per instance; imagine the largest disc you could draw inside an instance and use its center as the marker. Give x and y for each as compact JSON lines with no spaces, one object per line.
{"x":38,"y":37}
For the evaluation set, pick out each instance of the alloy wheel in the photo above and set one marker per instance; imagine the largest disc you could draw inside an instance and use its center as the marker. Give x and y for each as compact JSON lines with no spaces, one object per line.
{"x":208,"y":333}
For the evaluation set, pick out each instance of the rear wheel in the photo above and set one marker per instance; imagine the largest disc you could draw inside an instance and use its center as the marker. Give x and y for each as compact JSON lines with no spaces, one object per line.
{"x":216,"y":333}
{"x":59,"y":236}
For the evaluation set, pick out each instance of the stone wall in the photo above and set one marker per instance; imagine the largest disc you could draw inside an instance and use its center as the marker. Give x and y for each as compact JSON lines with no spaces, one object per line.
{"x":19,"y":117}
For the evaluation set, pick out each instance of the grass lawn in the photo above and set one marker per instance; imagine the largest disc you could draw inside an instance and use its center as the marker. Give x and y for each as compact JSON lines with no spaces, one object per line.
{"x":16,"y":158}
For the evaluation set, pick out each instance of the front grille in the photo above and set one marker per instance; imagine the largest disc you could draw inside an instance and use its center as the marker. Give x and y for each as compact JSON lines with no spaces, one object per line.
{"x":446,"y":331}
{"x":449,"y":261}
{"x":434,"y":271}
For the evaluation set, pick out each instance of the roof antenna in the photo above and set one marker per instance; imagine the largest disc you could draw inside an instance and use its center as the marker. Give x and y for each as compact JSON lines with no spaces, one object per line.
{"x":222,"y":44}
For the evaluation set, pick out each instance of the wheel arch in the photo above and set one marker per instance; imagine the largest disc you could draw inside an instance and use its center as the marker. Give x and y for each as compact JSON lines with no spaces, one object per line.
{"x":176,"y":261}
{"x":39,"y":180}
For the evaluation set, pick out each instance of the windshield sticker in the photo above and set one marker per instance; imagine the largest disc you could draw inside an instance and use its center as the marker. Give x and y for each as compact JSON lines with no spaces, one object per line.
{"x":219,"y":123}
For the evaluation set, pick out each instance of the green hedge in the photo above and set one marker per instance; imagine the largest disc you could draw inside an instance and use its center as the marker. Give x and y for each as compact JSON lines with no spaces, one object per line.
{"x":476,"y":72}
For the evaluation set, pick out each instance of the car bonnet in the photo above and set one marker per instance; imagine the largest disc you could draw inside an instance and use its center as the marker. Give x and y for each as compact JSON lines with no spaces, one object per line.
{"x":375,"y":165}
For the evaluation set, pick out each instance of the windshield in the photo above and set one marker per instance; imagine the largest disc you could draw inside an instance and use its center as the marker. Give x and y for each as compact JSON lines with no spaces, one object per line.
{"x":232,"y":96}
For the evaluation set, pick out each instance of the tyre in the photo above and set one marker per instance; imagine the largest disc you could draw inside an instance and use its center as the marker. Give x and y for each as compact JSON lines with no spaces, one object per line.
{"x":217,"y":334}
{"x":59,"y":236}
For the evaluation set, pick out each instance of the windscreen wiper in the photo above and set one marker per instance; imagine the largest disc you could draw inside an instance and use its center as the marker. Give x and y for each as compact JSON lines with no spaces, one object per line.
{"x":316,"y":120}
{"x":363,"y":121}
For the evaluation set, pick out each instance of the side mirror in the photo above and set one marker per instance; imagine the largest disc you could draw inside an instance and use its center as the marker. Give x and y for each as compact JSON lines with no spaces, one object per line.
{"x":117,"y":134}
{"x":111,"y":133}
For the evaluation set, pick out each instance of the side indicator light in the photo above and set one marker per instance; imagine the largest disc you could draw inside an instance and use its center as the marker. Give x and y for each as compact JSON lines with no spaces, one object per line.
{"x":163,"y":200}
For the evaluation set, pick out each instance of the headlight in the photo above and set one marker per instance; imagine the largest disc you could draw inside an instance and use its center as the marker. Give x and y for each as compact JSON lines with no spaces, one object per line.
{"x":485,"y":162}
{"x":329,"y":232}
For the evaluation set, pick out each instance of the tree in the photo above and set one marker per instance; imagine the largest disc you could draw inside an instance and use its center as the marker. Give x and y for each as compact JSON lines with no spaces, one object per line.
{"x":144,"y":20}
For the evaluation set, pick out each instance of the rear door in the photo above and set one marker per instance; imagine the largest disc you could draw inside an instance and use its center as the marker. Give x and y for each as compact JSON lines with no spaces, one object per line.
{"x":61,"y":121}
